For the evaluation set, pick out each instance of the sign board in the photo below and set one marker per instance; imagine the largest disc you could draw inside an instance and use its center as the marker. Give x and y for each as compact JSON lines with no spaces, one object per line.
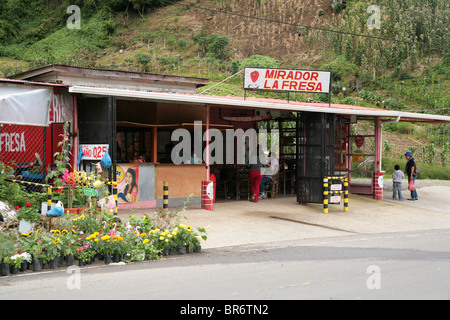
{"x":358,"y":157}
{"x":336,"y":187}
{"x":335,"y":199}
{"x":90,"y":192}
{"x":287,"y":80}
{"x":94,"y":151}
{"x":359,"y":141}
{"x":210,"y":190}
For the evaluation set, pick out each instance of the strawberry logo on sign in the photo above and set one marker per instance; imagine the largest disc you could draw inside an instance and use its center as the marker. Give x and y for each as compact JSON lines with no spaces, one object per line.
{"x":359,"y":141}
{"x":254,"y":75}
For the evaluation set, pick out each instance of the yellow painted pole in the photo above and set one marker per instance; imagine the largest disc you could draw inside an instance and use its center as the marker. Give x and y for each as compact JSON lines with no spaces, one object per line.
{"x":166,"y":196}
{"x":325,"y":195}
{"x":346,"y":195}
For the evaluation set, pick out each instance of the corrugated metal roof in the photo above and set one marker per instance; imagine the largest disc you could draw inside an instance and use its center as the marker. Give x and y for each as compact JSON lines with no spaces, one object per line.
{"x":108,"y":73}
{"x":27,"y":82}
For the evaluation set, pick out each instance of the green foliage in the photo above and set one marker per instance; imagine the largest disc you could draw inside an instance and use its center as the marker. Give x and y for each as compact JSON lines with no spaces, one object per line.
{"x":143,"y":59}
{"x":444,"y":66}
{"x":259,"y":61}
{"x":35,"y":30}
{"x":67,"y":43}
{"x":213,"y":44}
{"x":400,"y":127}
{"x":7,"y":246}
{"x":432,"y":172}
{"x":407,"y":21}
{"x":342,"y":70}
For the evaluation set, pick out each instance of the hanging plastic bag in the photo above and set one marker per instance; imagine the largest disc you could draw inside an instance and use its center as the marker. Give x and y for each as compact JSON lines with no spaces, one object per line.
{"x":80,"y":155}
{"x":106,"y":160}
{"x":411,"y":186}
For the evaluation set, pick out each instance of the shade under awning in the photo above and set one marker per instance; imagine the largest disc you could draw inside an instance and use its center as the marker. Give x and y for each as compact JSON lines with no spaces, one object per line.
{"x":24,"y":105}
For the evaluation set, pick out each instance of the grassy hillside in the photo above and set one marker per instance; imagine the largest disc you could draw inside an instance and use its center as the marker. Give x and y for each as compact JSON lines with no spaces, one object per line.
{"x":403,"y":64}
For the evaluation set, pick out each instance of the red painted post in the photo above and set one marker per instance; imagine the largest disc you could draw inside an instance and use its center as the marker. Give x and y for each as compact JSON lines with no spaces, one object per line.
{"x":377,"y":182}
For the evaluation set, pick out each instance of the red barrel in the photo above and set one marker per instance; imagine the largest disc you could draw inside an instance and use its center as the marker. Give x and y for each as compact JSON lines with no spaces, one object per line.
{"x":378,"y":185}
{"x":207,"y":195}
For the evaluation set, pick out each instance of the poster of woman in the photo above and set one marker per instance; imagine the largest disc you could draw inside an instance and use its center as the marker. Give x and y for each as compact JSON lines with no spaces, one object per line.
{"x":128,"y":177}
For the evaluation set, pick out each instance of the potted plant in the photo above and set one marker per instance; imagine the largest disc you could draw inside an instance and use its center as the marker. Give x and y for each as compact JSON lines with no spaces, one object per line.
{"x":161,"y":242}
{"x":191,"y":239}
{"x":105,"y":248}
{"x":27,"y":215}
{"x":15,"y":262}
{"x":7,"y":248}
{"x":116,"y":247}
{"x":151,"y":252}
{"x":181,"y":233}
{"x":37,"y":258}
{"x":84,"y":254}
{"x":196,"y":238}
{"x":69,"y":246}
{"x":52,"y":249}
{"x":26,"y":259}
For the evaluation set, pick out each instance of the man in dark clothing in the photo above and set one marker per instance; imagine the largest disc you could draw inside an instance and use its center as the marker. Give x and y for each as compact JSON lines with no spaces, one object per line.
{"x":410,"y":171}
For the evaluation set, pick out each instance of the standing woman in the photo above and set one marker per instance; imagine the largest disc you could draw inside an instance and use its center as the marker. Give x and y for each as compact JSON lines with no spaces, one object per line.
{"x":410,"y":171}
{"x":255,"y":175}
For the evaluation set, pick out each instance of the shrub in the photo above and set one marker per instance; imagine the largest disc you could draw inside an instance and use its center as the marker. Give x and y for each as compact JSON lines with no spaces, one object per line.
{"x":400,"y":127}
{"x":342,"y":70}
{"x":213,"y":44}
{"x":258,"y":61}
{"x":143,"y":59}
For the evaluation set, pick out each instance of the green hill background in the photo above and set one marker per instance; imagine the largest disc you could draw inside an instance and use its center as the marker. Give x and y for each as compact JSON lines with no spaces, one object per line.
{"x":403,"y":64}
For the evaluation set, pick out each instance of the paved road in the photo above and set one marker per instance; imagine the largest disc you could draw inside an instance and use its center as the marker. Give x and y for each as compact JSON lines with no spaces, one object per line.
{"x":277,"y":249}
{"x":407,"y":265}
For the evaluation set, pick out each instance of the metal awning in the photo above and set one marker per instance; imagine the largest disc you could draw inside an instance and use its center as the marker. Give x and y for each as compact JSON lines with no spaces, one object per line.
{"x":130,"y":124}
{"x":259,"y":103}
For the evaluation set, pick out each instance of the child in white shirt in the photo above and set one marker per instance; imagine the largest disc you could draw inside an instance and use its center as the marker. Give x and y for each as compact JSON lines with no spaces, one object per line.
{"x":397,"y":177}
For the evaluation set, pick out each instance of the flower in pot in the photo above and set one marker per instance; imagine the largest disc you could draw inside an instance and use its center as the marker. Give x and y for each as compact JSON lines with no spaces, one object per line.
{"x":161,"y":242}
{"x":116,"y":242}
{"x":84,"y":254}
{"x":105,"y":248}
{"x":150,"y":250}
{"x":15,"y":262}
{"x":181,"y":237}
{"x":52,"y":248}
{"x":69,"y":246}
{"x":27,"y":215}
{"x":32,"y":243}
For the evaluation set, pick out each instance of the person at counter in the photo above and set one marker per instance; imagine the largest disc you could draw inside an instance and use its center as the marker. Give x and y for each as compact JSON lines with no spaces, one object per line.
{"x":130,"y":191}
{"x":195,"y":159}
{"x":138,"y":158}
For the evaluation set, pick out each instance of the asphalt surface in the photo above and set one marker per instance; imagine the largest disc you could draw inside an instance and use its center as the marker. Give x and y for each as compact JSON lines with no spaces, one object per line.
{"x":248,"y":242}
{"x":234,"y":223}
